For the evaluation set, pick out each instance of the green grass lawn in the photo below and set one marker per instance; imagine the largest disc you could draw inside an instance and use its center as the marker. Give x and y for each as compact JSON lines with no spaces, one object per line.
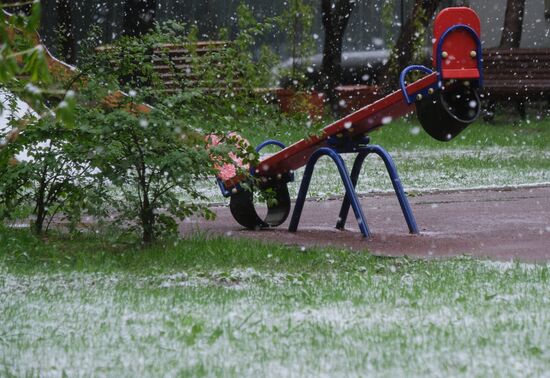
{"x":485,"y":155}
{"x":91,"y":306}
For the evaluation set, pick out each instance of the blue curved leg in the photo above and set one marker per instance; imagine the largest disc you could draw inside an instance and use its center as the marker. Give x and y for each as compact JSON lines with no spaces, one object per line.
{"x":397,"y":186}
{"x":396,"y":182}
{"x":348,"y":185}
{"x":355,"y":171}
{"x":270,"y":142}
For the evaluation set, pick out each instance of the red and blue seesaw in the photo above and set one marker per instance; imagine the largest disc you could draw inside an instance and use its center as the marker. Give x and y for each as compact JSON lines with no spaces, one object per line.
{"x":446,"y":102}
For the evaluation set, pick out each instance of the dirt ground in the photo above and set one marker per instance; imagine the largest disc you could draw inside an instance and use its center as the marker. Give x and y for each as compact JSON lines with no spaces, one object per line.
{"x":497,"y":224}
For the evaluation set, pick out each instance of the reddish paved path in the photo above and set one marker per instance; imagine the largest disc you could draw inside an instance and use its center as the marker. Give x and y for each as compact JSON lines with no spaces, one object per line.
{"x":498,"y":224}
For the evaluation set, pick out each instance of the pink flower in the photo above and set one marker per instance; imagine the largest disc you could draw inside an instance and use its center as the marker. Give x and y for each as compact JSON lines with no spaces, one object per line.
{"x":212,"y":140}
{"x":226,"y":171}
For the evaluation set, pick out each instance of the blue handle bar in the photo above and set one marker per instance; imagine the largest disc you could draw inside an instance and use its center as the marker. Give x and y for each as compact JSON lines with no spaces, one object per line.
{"x":404,"y":75}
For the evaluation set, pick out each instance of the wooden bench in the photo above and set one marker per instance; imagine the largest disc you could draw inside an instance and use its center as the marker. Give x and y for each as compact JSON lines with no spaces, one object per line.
{"x":518,"y":75}
{"x":199,"y":66}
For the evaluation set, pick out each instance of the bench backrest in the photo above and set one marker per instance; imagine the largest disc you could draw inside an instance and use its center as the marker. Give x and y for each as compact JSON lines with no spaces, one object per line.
{"x":199,"y":65}
{"x":517,"y":67}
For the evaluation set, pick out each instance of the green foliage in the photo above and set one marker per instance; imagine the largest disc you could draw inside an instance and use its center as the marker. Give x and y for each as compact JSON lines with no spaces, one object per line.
{"x":387,"y":17}
{"x":419,"y":36}
{"x":18,"y":32}
{"x":134,"y":163}
{"x":10,"y":187}
{"x":419,"y":20}
{"x":46,"y":184}
{"x":297,"y":21}
{"x":21,"y":56}
{"x":154,"y":159}
{"x":53,"y":178}
{"x":150,"y":163}
{"x":23,"y":62}
{"x":253,"y":73}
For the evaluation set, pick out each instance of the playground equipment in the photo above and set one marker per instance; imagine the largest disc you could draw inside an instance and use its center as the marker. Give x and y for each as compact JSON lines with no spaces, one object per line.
{"x":445,"y":99}
{"x":446,"y":102}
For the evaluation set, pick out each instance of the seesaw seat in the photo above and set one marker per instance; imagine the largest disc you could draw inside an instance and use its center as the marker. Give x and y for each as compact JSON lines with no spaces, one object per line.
{"x":445,"y":99}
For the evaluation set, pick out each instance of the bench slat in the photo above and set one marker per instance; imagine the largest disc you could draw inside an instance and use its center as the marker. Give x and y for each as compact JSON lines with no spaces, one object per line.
{"x":523,"y":73}
{"x":181,"y":65}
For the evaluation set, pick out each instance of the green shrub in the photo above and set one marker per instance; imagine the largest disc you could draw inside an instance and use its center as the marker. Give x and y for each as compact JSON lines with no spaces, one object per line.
{"x":41,"y":186}
{"x":53,"y":178}
{"x":23,"y":63}
{"x":151,"y":162}
{"x":138,"y":166}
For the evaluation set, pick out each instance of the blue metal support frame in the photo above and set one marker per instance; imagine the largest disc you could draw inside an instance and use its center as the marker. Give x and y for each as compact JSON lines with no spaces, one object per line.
{"x":363,"y":149}
{"x":395,"y":180}
{"x":344,"y":175}
{"x":270,"y":142}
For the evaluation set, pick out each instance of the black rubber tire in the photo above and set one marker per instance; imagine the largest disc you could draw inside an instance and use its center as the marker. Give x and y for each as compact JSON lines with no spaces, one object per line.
{"x":445,"y":114}
{"x":243,"y":209}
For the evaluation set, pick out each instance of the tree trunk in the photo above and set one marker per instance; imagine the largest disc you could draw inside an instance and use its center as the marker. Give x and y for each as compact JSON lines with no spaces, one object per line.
{"x":511,"y":38}
{"x":38,"y":224}
{"x":335,"y":17}
{"x":40,"y":209}
{"x":148,"y":224}
{"x":409,"y":39}
{"x":65,"y":26}
{"x":147,"y":221}
{"x":513,"y":24}
{"x":139,"y":16}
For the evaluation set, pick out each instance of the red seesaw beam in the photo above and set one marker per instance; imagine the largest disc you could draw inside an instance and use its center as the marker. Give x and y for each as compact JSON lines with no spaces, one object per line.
{"x":457,"y":60}
{"x":358,"y":123}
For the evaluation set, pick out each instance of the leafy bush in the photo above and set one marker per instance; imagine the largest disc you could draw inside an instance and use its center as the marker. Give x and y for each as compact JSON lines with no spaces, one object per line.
{"x":150,"y":160}
{"x":136,"y":163}
{"x":297,"y":20}
{"x":24,"y":72}
{"x":24,"y":68}
{"x":17,"y":33}
{"x":53,"y":177}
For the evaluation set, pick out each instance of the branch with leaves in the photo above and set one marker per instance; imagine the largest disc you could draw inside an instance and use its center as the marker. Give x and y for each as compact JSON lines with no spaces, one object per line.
{"x":408,"y":47}
{"x":25,"y":63}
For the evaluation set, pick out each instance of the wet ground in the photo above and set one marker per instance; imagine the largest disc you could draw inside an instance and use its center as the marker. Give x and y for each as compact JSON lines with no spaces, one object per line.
{"x":498,"y":224}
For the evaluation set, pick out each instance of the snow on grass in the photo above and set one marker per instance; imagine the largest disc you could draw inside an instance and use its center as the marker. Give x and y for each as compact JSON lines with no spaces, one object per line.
{"x":458,"y":317}
{"x":426,"y":170}
{"x":504,"y":266}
